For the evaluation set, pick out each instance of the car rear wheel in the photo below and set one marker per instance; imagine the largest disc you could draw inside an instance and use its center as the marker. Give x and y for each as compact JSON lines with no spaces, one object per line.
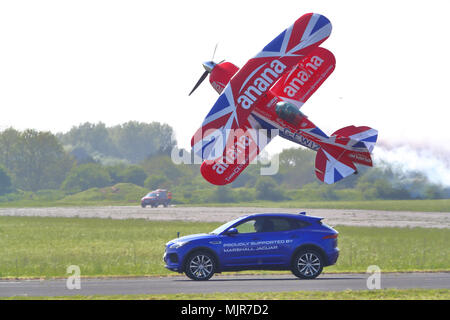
{"x":200,"y":266}
{"x":307,"y":264}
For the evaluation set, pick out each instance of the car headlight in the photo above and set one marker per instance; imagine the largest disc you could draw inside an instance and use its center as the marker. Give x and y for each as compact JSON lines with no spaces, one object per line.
{"x":176,"y":245}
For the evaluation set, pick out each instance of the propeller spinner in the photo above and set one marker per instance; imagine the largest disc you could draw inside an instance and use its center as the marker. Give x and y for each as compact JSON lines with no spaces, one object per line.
{"x":208,"y":65}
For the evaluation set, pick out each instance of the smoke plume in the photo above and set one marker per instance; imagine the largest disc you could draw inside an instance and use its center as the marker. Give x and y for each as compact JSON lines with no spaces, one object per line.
{"x":430,"y":161}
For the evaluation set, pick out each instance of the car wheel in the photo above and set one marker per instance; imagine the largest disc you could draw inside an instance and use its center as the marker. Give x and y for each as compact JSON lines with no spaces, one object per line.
{"x":307,"y":264}
{"x":143,"y":205}
{"x":200,"y":266}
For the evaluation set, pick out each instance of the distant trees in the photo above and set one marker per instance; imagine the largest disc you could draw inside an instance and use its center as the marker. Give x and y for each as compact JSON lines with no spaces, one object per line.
{"x":133,"y":174}
{"x":85,"y":176}
{"x":132,"y":141}
{"x":35,"y":159}
{"x":137,"y":141}
{"x":9,"y":146}
{"x":95,"y":175}
{"x":93,"y":155}
{"x":81,"y":155}
{"x":267,"y":189}
{"x":92,"y":138}
{"x":5,"y":182}
{"x":157,"y":181}
{"x":296,"y":167}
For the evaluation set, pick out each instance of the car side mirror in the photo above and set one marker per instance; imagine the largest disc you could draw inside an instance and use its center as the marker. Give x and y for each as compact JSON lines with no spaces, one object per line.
{"x":232,"y":231}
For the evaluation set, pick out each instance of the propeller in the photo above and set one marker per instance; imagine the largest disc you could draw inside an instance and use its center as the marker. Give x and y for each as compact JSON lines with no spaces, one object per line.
{"x":208,"y":65}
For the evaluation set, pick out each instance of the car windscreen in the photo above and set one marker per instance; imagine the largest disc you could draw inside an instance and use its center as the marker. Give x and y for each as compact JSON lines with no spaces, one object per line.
{"x":151,"y":194}
{"x":225,"y":226}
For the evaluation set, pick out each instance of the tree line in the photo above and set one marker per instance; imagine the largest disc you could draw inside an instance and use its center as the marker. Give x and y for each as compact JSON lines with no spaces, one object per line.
{"x":131,"y":142}
{"x":33,"y":160}
{"x":97,"y":156}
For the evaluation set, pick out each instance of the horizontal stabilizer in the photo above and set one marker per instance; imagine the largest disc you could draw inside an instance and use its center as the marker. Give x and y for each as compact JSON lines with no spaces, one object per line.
{"x":361,"y":137}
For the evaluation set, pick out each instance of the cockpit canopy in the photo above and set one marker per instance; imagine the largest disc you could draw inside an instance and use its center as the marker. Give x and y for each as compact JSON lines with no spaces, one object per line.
{"x":288,"y":112}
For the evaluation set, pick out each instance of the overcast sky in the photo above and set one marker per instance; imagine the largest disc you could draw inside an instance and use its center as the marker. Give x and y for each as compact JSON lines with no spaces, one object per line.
{"x":63,"y":63}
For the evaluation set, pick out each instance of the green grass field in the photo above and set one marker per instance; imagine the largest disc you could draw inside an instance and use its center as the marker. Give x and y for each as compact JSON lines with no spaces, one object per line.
{"x":44,"y":247}
{"x":385,"y":294}
{"x":441,"y":205}
{"x":119,"y":194}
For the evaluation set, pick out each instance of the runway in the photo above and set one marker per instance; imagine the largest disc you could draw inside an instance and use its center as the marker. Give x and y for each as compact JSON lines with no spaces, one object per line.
{"x":333,"y":217}
{"x":221,"y":283}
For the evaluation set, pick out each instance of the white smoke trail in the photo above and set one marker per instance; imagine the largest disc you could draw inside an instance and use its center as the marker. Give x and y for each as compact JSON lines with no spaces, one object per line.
{"x":433,"y":163}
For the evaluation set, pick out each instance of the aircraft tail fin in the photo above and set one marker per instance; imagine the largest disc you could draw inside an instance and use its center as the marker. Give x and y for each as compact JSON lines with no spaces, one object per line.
{"x":331,"y":169}
{"x":336,"y":157}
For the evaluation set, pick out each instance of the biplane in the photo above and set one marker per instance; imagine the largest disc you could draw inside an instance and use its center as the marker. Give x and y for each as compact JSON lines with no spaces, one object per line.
{"x":263,"y":99}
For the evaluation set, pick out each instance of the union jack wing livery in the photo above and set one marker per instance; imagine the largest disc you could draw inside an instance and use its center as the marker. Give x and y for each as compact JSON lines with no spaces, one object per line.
{"x":262,"y":100}
{"x":337,"y":156}
{"x":250,"y":83}
{"x":365,"y":136}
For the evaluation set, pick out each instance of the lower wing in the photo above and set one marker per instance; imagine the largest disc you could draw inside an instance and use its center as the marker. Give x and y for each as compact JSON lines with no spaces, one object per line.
{"x":242,"y":147}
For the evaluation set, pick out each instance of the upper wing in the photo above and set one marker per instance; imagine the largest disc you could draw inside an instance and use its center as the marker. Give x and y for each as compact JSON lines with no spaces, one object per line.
{"x":300,"y":83}
{"x":242,"y":93}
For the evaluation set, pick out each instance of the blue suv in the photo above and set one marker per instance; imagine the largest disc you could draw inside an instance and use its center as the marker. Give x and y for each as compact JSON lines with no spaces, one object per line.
{"x":296,"y":242}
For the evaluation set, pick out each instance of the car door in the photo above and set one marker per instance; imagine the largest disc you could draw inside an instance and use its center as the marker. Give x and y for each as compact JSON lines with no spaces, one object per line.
{"x":275,"y":241}
{"x":239,"y":250}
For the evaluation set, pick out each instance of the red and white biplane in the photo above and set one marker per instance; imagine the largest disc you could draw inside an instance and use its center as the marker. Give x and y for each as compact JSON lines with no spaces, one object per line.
{"x":262,"y":100}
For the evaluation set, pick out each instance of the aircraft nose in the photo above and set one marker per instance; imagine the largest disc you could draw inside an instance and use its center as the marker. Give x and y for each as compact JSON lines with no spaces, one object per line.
{"x":209,"y":65}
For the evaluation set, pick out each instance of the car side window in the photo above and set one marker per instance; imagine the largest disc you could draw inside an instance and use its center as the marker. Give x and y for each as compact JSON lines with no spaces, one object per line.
{"x":270,"y":224}
{"x":297,"y":224}
{"x":260,"y":224}
{"x":281,"y":224}
{"x":286,"y":224}
{"x":247,"y":227}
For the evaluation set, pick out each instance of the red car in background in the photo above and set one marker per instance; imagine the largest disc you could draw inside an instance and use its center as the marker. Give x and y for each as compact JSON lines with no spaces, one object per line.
{"x":156,"y":198}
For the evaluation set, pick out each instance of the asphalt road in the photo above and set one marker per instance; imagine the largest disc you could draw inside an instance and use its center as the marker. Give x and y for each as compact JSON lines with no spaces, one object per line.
{"x":219,"y":283}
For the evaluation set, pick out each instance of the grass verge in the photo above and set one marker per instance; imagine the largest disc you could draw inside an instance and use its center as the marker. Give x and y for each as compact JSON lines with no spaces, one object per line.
{"x":35,"y":247}
{"x":441,"y":205}
{"x":384,"y":294}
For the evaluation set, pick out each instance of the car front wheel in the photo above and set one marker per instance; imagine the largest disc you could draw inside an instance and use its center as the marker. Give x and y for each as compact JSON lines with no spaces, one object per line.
{"x":307,"y":264}
{"x":200,"y":266}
